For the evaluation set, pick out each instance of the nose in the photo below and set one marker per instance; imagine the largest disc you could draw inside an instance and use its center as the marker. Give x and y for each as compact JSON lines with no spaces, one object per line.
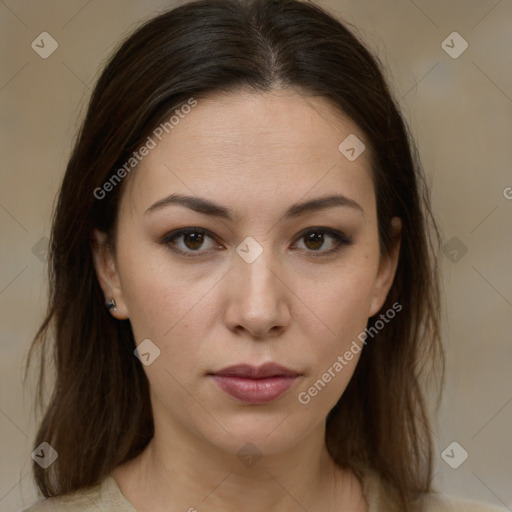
{"x":258,"y":300}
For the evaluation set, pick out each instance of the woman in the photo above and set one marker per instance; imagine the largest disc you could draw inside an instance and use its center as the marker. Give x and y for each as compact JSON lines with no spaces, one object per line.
{"x":243,"y":284}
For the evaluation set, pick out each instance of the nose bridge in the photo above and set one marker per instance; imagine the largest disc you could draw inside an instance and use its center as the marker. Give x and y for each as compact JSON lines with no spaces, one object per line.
{"x":259,"y":278}
{"x":256,"y":275}
{"x":258,"y":298}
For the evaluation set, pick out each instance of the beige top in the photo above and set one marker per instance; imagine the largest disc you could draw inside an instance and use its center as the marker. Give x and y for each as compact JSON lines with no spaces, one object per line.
{"x":107,"y":497}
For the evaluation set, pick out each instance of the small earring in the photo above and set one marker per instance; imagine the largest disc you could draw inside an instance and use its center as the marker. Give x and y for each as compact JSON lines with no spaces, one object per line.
{"x":111,"y":305}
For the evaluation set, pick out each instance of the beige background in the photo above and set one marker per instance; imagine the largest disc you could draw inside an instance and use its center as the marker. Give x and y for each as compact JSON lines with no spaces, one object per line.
{"x":460,"y":112}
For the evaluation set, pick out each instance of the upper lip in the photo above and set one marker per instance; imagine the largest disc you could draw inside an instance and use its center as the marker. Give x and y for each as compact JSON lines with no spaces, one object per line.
{"x":248,"y":371}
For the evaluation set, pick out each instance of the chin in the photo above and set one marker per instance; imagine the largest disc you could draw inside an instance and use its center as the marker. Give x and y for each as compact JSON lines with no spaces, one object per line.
{"x":269,"y":434}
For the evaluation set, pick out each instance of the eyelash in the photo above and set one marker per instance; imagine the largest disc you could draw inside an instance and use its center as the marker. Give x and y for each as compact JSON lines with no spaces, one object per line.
{"x":338,"y":236}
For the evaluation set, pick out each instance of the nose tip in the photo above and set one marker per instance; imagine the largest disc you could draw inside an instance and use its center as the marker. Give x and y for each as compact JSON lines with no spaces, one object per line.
{"x":259,"y":334}
{"x":257,"y":301}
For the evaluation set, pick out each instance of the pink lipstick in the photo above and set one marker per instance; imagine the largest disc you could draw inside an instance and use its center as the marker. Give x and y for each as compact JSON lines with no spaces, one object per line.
{"x":255,"y":385}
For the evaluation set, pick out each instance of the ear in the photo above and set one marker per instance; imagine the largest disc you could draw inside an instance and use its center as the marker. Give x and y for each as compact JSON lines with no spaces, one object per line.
{"x":106,"y":271}
{"x":387,"y":269}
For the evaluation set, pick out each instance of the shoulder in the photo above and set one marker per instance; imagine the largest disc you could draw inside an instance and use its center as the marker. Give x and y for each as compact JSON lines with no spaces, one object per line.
{"x":79,"y":501}
{"x":104,"y":496}
{"x":442,"y":503}
{"x":380,"y":498}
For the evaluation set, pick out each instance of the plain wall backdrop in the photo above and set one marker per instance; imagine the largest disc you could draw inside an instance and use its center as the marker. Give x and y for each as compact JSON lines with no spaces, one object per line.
{"x":458,"y":102}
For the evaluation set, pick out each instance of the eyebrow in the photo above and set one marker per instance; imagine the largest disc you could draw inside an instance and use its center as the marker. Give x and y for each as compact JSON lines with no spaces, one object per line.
{"x":207,"y":207}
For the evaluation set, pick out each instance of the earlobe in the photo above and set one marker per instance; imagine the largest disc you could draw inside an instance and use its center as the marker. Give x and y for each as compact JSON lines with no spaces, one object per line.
{"x":387,"y":269}
{"x":108,"y":277}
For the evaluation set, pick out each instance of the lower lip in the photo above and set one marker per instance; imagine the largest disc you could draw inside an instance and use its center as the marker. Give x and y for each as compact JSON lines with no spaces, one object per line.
{"x":255,"y":391}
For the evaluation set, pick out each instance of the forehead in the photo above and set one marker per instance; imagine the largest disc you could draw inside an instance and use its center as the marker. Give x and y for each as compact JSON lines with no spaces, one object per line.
{"x":248,"y":145}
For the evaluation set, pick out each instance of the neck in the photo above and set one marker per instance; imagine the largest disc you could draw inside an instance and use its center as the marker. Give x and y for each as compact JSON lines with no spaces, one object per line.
{"x":183,"y":472}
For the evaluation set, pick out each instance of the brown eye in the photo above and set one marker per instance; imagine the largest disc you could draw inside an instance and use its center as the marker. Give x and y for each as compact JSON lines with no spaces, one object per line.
{"x":190,"y":242}
{"x":314,"y":240}
{"x":323,"y":241}
{"x":193,"y":240}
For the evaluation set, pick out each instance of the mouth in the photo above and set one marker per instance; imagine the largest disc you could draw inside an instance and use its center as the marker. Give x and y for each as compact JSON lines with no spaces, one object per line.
{"x":255,"y":385}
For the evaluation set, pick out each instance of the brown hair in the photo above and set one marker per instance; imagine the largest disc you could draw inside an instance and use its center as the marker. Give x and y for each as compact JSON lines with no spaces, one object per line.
{"x":99,"y":414}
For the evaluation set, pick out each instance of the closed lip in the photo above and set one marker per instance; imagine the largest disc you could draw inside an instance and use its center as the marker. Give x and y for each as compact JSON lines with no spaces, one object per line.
{"x":255,"y":384}
{"x":265,"y":371}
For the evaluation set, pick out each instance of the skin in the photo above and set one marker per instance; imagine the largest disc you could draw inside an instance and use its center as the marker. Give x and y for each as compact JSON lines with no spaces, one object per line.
{"x":256,"y":154}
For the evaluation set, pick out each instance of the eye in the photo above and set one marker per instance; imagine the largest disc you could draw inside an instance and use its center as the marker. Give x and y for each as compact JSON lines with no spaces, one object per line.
{"x":316,"y":238}
{"x":189,"y":241}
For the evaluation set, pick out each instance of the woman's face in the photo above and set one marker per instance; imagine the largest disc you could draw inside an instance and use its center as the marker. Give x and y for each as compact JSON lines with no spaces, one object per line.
{"x":272,"y":272}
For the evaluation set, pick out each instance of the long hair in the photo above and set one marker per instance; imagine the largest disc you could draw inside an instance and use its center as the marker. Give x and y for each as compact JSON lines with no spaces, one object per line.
{"x":99,"y":413}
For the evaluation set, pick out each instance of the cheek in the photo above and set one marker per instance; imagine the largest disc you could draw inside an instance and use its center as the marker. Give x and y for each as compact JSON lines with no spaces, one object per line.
{"x":153,"y":295}
{"x":343,"y":305}
{"x":343,"y":300}
{"x":167,"y":303}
